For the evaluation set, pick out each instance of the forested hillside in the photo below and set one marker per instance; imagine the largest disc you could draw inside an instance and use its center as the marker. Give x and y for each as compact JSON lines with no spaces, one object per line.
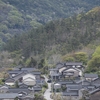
{"x":19,"y":16}
{"x":45,"y":10}
{"x":60,"y":36}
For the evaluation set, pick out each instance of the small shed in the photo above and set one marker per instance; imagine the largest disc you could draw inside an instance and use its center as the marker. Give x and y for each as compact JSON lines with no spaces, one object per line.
{"x":57,"y":86}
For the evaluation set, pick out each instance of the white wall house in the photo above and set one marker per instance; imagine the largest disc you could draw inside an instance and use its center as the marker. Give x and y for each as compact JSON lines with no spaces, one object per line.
{"x":57,"y":86}
{"x":29,"y":79}
{"x":10,"y":81}
{"x":76,"y":72}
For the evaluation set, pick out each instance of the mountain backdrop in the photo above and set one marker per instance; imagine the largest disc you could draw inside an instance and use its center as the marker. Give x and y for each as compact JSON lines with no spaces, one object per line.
{"x":60,"y":36}
{"x":19,"y":16}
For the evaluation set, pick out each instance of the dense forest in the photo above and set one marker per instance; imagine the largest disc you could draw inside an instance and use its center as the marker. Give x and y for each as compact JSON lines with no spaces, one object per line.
{"x":19,"y":16}
{"x":60,"y":36}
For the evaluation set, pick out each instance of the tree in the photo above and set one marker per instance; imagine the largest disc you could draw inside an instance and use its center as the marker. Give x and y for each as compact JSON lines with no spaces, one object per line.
{"x":16,"y":84}
{"x":69,"y":59}
{"x":81,"y":57}
{"x":16,"y":98}
{"x":42,"y":63}
{"x":97,"y":52}
{"x":32,"y":62}
{"x":94,"y":64}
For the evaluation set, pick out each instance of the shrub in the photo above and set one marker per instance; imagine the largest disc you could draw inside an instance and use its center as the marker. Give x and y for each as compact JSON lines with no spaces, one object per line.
{"x":45,"y":85}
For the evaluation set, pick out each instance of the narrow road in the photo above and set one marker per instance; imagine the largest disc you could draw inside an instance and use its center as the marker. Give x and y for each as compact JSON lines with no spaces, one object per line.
{"x":48,"y":91}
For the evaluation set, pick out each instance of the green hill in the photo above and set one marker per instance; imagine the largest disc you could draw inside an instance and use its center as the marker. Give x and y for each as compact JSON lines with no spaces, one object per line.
{"x":19,"y":16}
{"x":60,"y":36}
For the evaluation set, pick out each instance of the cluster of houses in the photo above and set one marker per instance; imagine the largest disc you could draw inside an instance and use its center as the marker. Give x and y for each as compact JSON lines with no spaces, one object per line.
{"x":69,"y":78}
{"x":22,"y":83}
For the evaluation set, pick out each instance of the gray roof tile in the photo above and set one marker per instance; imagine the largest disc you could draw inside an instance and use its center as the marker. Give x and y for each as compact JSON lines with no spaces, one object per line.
{"x":19,"y":75}
{"x":9,"y":80}
{"x":17,"y":90}
{"x":36,"y":72}
{"x":73,"y":63}
{"x":66,"y":82}
{"x":90,"y":75}
{"x":74,"y":87}
{"x":71,"y":93}
{"x":8,"y":95}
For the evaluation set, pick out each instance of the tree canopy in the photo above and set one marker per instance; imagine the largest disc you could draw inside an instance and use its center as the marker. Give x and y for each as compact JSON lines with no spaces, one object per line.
{"x":60,"y":36}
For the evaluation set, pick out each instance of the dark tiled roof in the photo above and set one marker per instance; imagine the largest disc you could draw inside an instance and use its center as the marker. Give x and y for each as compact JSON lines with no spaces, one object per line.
{"x":59,"y":65}
{"x":53,"y":69}
{"x":73,"y":63}
{"x":96,"y":82}
{"x":19,"y":75}
{"x":28,"y":69}
{"x":36,"y":72}
{"x":55,"y":74}
{"x":4,"y":87}
{"x":35,"y":88}
{"x":8,"y":95}
{"x":23,"y":85}
{"x":94,"y":91}
{"x":9,"y":80}
{"x":90,"y":75}
{"x":89,"y":87}
{"x":17,"y":90}
{"x":16,"y":71}
{"x":27,"y":97}
{"x":84,"y":83}
{"x":65,"y":82}
{"x":74,"y":87}
{"x":71,"y":93}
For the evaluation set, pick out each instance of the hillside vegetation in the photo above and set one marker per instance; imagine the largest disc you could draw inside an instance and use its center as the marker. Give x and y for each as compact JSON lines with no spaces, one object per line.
{"x":19,"y":16}
{"x":60,"y":36}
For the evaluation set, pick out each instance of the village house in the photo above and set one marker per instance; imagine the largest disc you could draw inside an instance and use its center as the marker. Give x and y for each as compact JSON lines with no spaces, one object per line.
{"x":10,"y":81}
{"x":4,"y":89}
{"x":69,"y":69}
{"x":19,"y":74}
{"x":73,"y":82}
{"x":90,"y":76}
{"x":29,"y":79}
{"x":23,"y":83}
